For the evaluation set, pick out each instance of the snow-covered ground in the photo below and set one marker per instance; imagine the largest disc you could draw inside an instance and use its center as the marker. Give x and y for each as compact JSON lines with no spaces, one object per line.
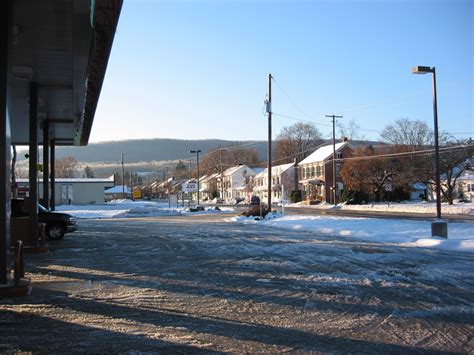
{"x":403,"y":232}
{"x":404,"y":206}
{"x":129,"y":208}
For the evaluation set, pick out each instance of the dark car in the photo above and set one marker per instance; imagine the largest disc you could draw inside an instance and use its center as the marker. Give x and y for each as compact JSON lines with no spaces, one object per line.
{"x":57,"y":224}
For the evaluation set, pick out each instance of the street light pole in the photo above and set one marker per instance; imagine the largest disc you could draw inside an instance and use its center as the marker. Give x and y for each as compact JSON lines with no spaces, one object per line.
{"x":269,"y":111}
{"x":439,"y":228}
{"x":197,"y":161}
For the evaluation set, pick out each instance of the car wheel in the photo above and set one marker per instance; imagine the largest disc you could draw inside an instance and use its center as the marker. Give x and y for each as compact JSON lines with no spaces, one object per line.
{"x":55,"y":232}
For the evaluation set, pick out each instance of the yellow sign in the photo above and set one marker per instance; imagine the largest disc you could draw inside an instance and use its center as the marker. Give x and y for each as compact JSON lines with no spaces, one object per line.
{"x":137,"y":194}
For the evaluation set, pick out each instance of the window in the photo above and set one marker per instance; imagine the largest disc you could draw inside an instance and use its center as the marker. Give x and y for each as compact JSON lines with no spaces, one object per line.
{"x":318,"y":170}
{"x":338,"y":169}
{"x":338,"y":155}
{"x":312,"y":171}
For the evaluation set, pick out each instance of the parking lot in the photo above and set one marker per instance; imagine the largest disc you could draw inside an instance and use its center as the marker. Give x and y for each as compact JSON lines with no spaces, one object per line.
{"x":198,"y":283}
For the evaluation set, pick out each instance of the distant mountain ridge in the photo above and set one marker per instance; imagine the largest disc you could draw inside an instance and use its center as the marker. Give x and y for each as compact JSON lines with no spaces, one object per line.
{"x":140,"y":150}
{"x":145,"y":155}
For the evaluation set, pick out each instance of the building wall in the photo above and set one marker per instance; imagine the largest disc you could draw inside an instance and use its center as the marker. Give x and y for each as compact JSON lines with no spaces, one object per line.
{"x":77,"y":193}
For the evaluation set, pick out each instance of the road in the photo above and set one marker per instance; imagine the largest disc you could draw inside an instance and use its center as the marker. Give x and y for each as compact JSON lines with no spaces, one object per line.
{"x":200,"y":284}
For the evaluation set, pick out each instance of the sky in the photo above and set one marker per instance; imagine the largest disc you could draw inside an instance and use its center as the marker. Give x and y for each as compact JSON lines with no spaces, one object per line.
{"x":198,"y":69}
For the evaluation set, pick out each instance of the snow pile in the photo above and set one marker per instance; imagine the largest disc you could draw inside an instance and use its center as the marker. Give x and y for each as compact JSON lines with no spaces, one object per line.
{"x":404,"y":206}
{"x":128,"y":208}
{"x":400,"y":232}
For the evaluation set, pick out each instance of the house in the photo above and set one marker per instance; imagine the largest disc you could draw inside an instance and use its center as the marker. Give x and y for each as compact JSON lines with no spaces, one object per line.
{"x":208,"y":186}
{"x":117,"y":192}
{"x":78,"y":191}
{"x":236,"y":183}
{"x":316,"y":172}
{"x":284,"y":181}
{"x":465,"y":182}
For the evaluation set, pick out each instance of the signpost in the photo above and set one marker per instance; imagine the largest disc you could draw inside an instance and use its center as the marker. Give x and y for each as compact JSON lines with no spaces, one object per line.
{"x":388,"y":188}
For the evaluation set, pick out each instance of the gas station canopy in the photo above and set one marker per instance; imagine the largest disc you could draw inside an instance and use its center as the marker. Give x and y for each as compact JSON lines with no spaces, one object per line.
{"x":64,"y":47}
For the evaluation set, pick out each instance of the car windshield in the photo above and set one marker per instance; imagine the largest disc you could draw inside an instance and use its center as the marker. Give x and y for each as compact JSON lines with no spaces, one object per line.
{"x":41,"y":208}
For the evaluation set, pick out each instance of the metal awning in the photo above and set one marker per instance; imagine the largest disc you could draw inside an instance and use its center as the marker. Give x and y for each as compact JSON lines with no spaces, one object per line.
{"x":64,"y":47}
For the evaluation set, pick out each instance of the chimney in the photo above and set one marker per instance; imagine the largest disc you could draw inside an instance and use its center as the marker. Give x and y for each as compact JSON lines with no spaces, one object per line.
{"x":344,"y":139}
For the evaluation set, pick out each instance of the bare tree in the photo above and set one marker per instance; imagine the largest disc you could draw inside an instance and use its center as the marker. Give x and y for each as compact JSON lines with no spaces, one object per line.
{"x":415,"y":134}
{"x":350,"y":130}
{"x":453,"y":160}
{"x":297,"y":141}
{"x":222,"y":158}
{"x":66,"y":167}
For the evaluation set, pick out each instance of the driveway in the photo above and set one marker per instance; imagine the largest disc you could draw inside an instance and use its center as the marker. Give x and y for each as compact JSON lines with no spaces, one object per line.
{"x":197,"y":283}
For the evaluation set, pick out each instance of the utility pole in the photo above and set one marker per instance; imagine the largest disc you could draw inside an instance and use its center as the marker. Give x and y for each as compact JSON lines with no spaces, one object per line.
{"x":168,"y":188}
{"x":123,"y":179}
{"x":269,"y":111}
{"x":197,"y":151}
{"x":333,"y":194}
{"x":222,"y":175}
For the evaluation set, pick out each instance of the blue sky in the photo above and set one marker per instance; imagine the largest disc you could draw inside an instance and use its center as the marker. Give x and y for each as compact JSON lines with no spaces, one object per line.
{"x":198,"y":69}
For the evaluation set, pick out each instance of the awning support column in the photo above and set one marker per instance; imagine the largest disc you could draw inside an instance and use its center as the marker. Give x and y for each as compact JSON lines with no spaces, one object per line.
{"x":4,"y":147}
{"x":46,"y":163}
{"x":33,"y":171}
{"x":52,"y":204}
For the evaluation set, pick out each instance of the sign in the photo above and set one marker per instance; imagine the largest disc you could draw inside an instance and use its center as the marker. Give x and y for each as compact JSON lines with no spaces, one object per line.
{"x":190,"y":187}
{"x":388,"y":186}
{"x":137,"y":194}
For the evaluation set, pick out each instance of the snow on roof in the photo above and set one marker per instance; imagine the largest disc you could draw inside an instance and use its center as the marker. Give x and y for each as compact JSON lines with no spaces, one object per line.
{"x":118,"y":190}
{"x":234,"y":169}
{"x":322,"y":153}
{"x":277,"y":169}
{"x":210,"y":177}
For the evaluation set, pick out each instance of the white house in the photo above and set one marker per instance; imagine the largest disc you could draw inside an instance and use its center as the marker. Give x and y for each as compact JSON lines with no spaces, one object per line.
{"x":465,"y":183}
{"x":208,"y":186}
{"x":236,"y":183}
{"x":283,"y":182}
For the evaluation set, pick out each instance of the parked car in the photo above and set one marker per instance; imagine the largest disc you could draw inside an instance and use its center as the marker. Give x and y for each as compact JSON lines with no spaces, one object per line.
{"x":57,"y":224}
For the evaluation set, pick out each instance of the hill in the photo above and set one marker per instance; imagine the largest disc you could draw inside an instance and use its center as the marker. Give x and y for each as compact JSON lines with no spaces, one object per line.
{"x":142,"y":155}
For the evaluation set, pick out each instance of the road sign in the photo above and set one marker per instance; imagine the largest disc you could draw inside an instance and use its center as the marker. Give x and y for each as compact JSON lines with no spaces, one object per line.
{"x":190,"y":187}
{"x":388,"y":186}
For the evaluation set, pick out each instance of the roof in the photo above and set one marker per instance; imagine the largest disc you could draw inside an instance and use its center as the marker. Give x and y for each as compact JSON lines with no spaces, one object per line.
{"x":118,"y":190}
{"x":322,"y":153}
{"x":232,"y":170}
{"x":277,"y":169}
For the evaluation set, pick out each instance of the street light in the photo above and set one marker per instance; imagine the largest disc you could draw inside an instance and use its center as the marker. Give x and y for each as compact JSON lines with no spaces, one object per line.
{"x":439,"y":228}
{"x":197,"y":159}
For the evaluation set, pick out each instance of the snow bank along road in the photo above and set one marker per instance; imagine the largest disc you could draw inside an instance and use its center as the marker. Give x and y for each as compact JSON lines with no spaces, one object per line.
{"x":196,"y":283}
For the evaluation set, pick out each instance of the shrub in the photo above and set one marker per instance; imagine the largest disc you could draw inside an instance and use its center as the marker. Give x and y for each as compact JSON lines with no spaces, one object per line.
{"x":354,"y":197}
{"x":295,"y":196}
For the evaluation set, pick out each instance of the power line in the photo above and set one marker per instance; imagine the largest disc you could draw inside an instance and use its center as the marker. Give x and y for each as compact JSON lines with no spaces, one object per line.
{"x":415,"y":152}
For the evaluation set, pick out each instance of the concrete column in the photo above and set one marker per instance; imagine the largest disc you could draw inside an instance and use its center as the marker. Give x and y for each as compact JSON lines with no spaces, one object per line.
{"x":33,"y":172}
{"x":46,"y":163}
{"x":5,"y":144}
{"x":52,"y":204}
